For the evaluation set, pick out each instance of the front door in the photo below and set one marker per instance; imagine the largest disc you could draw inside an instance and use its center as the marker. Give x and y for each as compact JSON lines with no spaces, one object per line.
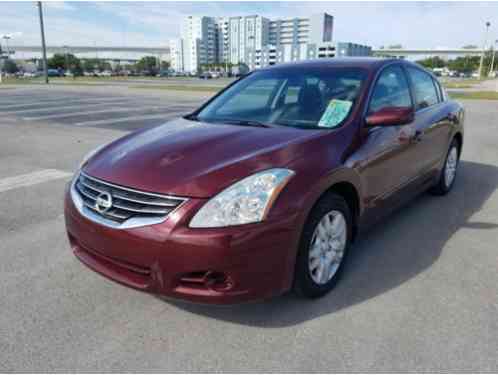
{"x":385,"y":157}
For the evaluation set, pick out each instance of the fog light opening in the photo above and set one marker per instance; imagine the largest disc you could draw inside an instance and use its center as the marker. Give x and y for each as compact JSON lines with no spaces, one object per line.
{"x":218,"y":281}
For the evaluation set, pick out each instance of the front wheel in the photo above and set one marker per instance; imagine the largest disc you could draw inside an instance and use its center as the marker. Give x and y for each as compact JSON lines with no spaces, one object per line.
{"x":448,"y":173}
{"x":324,"y":243}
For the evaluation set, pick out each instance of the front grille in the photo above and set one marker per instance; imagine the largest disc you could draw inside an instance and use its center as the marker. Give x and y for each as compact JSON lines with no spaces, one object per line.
{"x":126,"y":203}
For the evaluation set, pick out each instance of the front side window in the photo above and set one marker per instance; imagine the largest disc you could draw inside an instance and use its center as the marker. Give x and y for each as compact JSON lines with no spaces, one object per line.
{"x":294,"y":97}
{"x":391,"y":90}
{"x":423,"y":86}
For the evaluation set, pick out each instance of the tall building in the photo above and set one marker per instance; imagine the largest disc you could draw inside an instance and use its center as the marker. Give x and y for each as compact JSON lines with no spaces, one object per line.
{"x":315,"y":29}
{"x":176,"y":53}
{"x":272,"y":55}
{"x":198,"y":43}
{"x":320,"y":30}
{"x":222,"y":39}
{"x":256,"y":41}
{"x":246,"y":33}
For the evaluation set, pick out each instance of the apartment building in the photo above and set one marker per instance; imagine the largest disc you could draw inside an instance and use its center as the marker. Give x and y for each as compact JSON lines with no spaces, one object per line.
{"x":197,"y":45}
{"x":246,"y":33}
{"x":256,"y":41}
{"x":272,"y":55}
{"x":176,"y":54}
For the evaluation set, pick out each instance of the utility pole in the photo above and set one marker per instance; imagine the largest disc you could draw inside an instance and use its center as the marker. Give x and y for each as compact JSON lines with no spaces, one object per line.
{"x":44,"y":47}
{"x":484,"y":49}
{"x":491,"y":70}
{"x":6,"y":37}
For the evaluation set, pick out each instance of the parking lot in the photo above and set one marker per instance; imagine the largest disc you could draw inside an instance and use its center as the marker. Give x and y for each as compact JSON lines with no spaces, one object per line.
{"x":420,"y":292}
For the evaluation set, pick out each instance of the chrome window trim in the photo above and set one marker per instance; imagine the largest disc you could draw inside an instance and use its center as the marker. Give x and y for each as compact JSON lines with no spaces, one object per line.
{"x":128,"y":224}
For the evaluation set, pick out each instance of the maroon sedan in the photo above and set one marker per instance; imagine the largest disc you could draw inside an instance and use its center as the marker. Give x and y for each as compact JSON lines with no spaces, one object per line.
{"x":264,"y":188}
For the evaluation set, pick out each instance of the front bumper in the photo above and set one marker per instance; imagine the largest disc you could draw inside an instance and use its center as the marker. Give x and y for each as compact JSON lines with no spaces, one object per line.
{"x":222,"y":266}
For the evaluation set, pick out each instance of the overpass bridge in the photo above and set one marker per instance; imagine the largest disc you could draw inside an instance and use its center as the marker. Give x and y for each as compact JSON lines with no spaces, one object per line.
{"x":402,"y":52}
{"x":160,"y":51}
{"x":88,"y":49}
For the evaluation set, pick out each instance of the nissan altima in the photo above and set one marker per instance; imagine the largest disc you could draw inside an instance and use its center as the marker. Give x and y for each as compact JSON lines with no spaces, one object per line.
{"x":264,"y":188}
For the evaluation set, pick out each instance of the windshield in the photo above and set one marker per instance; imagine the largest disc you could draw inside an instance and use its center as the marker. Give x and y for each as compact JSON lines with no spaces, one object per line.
{"x":303,"y":98}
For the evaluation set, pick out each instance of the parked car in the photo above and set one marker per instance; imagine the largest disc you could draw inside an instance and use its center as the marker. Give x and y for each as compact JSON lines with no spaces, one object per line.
{"x":205,"y":75}
{"x":31,"y":74}
{"x":264,"y":188}
{"x":54,"y":73}
{"x":163,"y":73}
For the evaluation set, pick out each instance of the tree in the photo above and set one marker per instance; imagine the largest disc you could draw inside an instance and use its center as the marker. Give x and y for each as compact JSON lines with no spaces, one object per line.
{"x":10,"y":66}
{"x":147,"y":63}
{"x":395,"y":46}
{"x":165,"y":65}
{"x":89,"y":65}
{"x":432,"y":62}
{"x":464,"y":64}
{"x":59,"y":61}
{"x":470,"y":46}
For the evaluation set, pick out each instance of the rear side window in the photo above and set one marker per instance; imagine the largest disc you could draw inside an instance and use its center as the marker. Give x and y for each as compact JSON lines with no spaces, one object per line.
{"x":424,"y":88}
{"x":391,"y":90}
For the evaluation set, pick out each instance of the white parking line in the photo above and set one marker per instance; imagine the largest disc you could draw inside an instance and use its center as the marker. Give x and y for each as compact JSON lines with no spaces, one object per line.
{"x":166,"y":116}
{"x":33,"y":178}
{"x":71,"y":114}
{"x":54,"y":108}
{"x":59,"y":101}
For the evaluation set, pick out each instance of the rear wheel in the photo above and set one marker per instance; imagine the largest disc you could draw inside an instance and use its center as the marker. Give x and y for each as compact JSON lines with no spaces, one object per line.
{"x":448,"y":173}
{"x":324,"y":243}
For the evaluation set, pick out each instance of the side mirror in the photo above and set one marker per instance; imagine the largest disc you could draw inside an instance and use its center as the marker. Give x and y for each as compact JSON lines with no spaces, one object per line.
{"x":391,"y":116}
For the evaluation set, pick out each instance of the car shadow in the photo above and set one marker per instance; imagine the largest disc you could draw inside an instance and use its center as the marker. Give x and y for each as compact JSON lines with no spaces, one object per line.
{"x":392,"y":252}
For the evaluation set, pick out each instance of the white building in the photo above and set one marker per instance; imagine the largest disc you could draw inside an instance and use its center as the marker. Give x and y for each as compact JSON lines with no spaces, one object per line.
{"x":246,"y":33}
{"x":222,"y":39}
{"x":196,"y":45}
{"x":176,"y":53}
{"x":256,"y":41}
{"x":315,"y":29}
{"x":272,"y":55}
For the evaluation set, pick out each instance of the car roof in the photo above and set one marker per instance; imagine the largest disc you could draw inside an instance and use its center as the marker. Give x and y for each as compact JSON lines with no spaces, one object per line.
{"x":370,"y":63}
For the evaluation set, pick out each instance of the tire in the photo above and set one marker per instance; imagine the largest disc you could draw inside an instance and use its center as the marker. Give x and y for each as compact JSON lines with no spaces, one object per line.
{"x":308,"y":281}
{"x":444,"y":185}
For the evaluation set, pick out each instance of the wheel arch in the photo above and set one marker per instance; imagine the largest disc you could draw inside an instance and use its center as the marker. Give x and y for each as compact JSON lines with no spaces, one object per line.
{"x":459,"y":138}
{"x":344,"y":182}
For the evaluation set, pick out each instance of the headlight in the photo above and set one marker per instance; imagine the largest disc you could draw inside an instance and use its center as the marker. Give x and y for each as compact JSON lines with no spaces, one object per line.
{"x":89,"y":155}
{"x":246,"y":201}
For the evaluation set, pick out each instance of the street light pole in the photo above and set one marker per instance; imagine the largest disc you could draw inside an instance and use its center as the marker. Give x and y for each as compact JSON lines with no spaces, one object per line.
{"x":484,"y":49}
{"x":44,"y":47}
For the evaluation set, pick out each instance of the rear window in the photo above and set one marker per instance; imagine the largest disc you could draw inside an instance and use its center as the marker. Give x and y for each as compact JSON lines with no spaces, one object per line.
{"x":424,"y":88}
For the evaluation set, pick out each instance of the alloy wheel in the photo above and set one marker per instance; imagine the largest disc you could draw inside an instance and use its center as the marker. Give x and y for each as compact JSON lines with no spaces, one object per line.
{"x":451,"y":166}
{"x":327,"y":247}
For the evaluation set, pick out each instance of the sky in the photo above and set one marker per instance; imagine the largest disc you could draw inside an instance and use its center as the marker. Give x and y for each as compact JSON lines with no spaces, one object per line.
{"x":412,"y":24}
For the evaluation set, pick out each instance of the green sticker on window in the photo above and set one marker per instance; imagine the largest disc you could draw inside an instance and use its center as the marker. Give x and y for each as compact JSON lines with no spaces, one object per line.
{"x":336,"y":112}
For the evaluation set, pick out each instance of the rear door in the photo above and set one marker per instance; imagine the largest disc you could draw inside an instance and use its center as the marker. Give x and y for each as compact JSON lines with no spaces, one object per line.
{"x":431,"y":121}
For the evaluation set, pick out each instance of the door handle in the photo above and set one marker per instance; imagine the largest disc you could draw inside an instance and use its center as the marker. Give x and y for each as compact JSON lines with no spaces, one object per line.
{"x":452,"y":118}
{"x":417,"y":137}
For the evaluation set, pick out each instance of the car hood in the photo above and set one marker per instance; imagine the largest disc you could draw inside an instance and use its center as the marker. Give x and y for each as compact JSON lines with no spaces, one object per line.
{"x":194,"y":159}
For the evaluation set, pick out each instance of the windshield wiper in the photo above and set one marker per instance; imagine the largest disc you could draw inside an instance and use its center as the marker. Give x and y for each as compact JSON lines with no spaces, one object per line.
{"x":255,"y":123}
{"x":191,"y":117}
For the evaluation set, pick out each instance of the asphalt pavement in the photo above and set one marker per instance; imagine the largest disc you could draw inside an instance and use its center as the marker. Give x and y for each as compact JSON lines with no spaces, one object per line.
{"x":420,"y":292}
